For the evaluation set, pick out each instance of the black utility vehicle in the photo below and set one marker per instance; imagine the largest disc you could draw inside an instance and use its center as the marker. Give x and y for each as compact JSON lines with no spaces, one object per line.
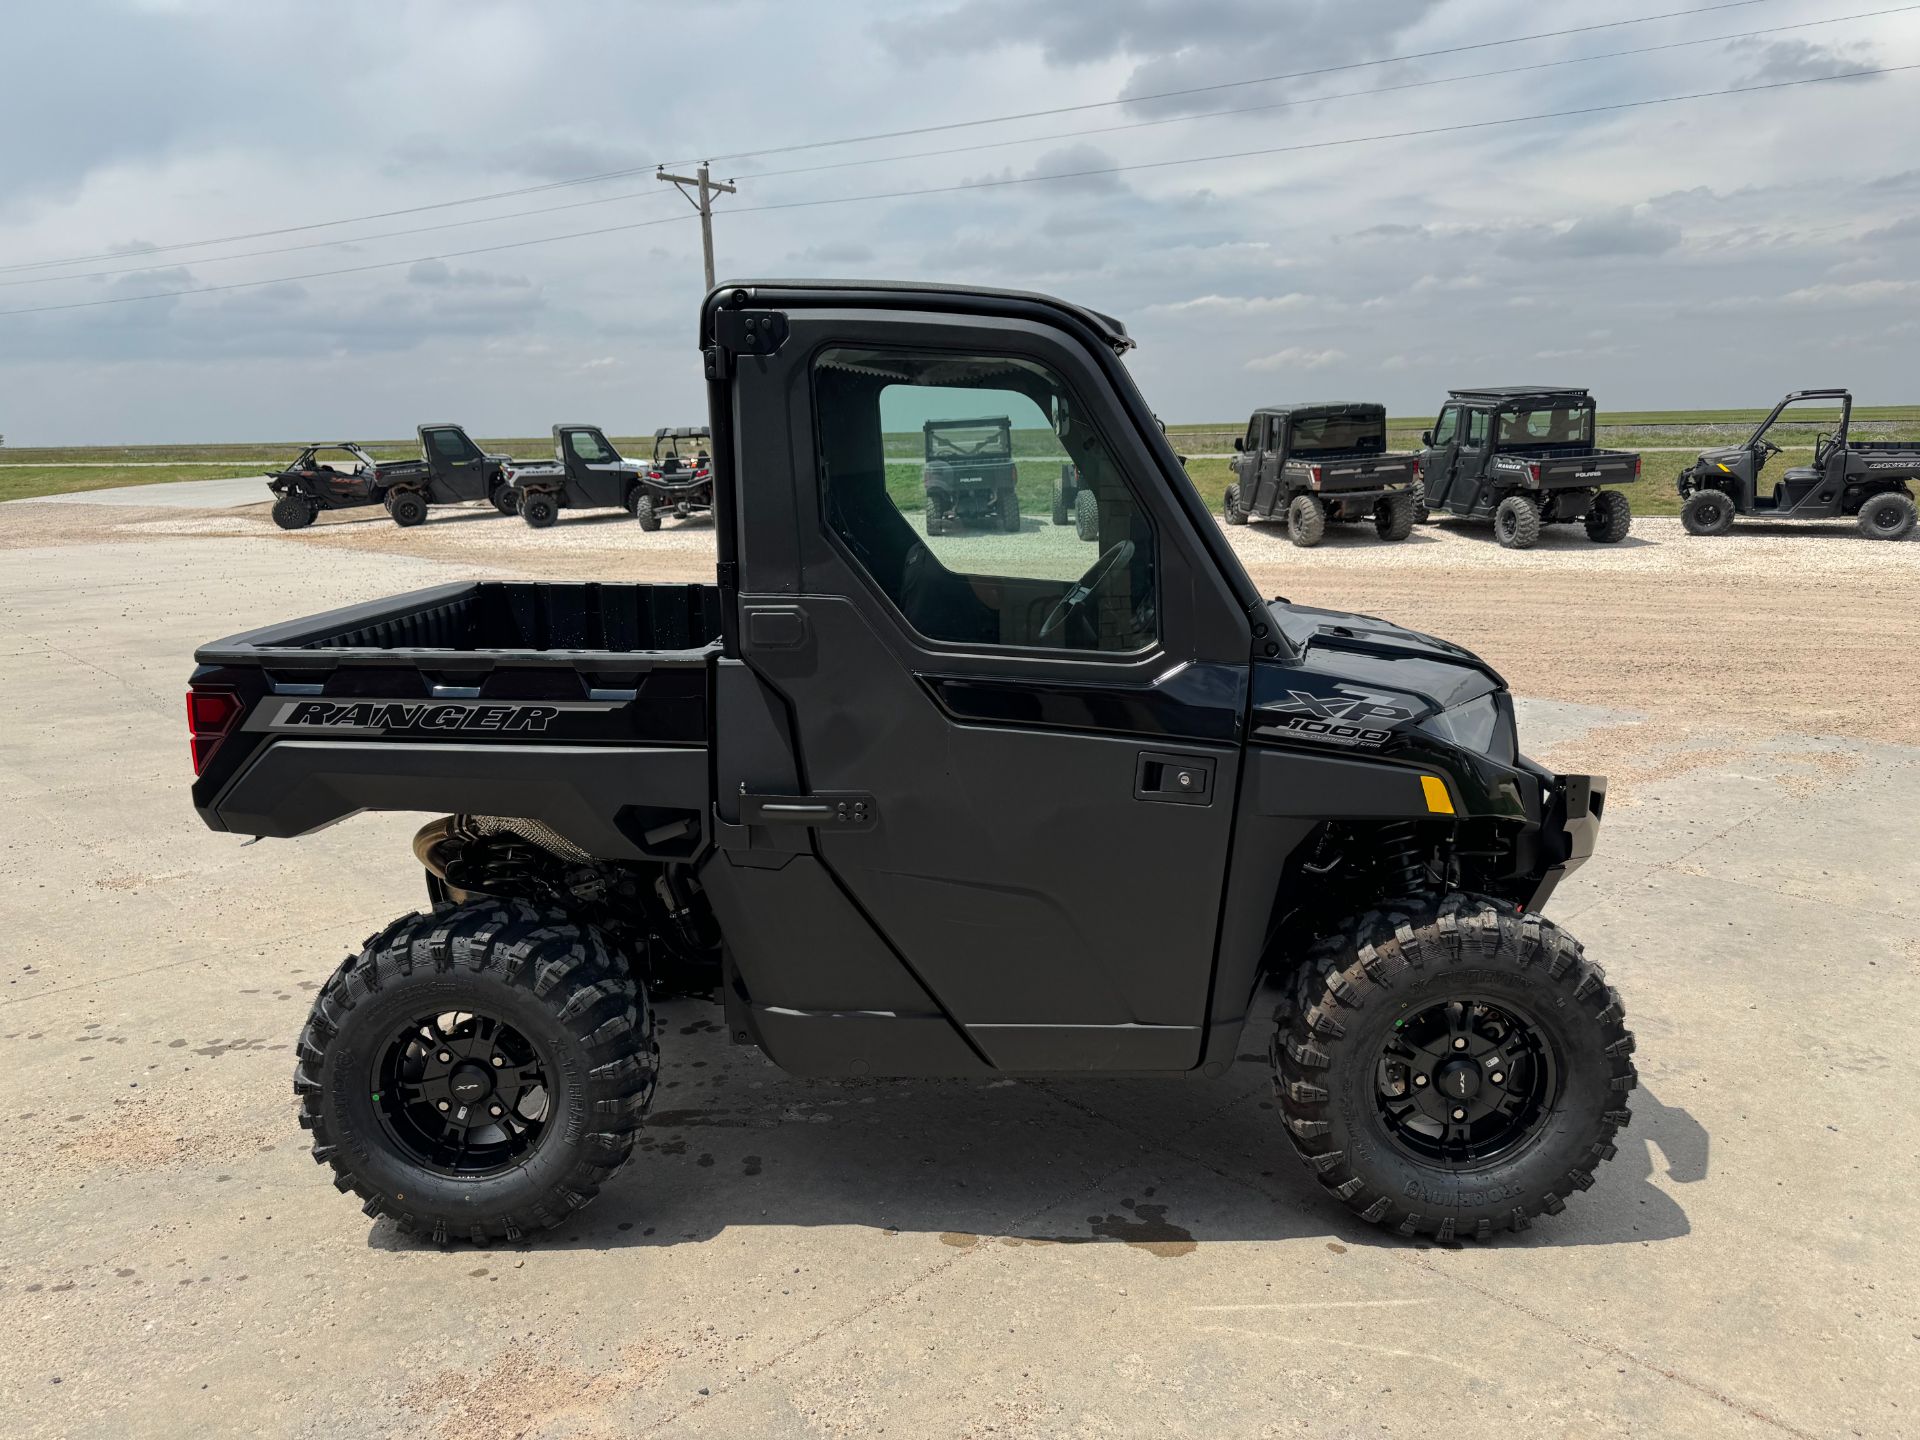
{"x":451,"y":470}
{"x":586,"y":473}
{"x":970,"y":476}
{"x":1084,"y":515}
{"x":680,"y":479}
{"x":1871,"y":480}
{"x":1524,"y":456}
{"x":1308,"y":464}
{"x":894,"y":803}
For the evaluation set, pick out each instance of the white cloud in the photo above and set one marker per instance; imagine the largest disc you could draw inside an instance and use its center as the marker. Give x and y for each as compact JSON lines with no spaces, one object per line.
{"x":1296,"y":357}
{"x":1234,"y":304}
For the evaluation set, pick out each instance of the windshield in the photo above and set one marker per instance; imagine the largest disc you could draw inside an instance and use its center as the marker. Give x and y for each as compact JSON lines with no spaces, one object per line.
{"x":1554,"y":425}
{"x":1338,"y":435}
{"x":986,"y":440}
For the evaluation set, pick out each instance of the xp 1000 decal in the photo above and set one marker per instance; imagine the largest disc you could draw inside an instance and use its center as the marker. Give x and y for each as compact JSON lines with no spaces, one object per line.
{"x":1357,"y":720}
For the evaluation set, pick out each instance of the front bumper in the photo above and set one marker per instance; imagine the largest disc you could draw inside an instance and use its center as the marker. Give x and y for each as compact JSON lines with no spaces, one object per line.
{"x":1571,"y":807}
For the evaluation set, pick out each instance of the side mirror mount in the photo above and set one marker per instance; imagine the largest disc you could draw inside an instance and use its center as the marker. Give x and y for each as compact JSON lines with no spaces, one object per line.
{"x":1239,"y":443}
{"x":1426,"y":437}
{"x":1060,"y":415}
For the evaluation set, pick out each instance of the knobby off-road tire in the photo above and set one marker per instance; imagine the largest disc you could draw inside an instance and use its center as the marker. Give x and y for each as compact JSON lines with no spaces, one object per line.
{"x":1351,"y":999}
{"x":1516,"y":523}
{"x":1421,"y":514}
{"x":541,"y":996}
{"x":407,"y":509}
{"x":294,"y":512}
{"x":1086,"y":515}
{"x":1707,"y":512}
{"x":1061,"y":514}
{"x":505,"y":499}
{"x":539,"y":510}
{"x":1306,"y":520}
{"x":1393,"y":517}
{"x":1887,"y":517}
{"x":1231,"y":510}
{"x":1008,"y":510}
{"x":644,"y":512}
{"x":1609,"y":518}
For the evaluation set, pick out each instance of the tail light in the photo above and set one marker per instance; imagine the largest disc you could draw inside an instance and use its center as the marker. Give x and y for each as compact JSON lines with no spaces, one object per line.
{"x":653,"y":474}
{"x":1416,"y":469}
{"x":1636,"y":467}
{"x":210,"y":715}
{"x":1533,"y":473}
{"x":1315,"y":469}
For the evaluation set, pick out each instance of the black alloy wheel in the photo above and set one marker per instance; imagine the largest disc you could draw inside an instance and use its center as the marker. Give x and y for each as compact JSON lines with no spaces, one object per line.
{"x":463,"y":1094}
{"x":1466,"y":1081}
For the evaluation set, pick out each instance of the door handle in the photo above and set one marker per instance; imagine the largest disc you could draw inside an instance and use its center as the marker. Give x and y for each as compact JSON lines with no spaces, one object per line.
{"x":832,"y":810}
{"x":1173,"y":779}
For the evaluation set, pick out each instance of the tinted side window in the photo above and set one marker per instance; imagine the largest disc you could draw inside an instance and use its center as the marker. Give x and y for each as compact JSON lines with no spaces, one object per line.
{"x":587,"y":446}
{"x":1449,"y":427}
{"x":1253,"y":433}
{"x":1476,"y":429}
{"x":959,"y":536}
{"x":450,"y":444}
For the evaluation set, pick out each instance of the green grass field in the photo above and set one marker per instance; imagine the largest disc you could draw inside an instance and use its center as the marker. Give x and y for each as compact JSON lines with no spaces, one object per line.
{"x":25,"y":473}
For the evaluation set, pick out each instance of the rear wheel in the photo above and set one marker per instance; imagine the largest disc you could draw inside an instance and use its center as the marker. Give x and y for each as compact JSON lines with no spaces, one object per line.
{"x":539,"y":510}
{"x":1393,"y":516}
{"x":408,"y":508}
{"x":294,"y":512}
{"x":1516,"y":522}
{"x":1086,"y":515}
{"x":1306,"y":520}
{"x":1707,"y":512}
{"x":478,"y":1072}
{"x":936,"y":522}
{"x":505,"y":499}
{"x":1009,"y":509}
{"x":1887,"y":517}
{"x":644,"y":512}
{"x":1609,"y":518}
{"x":1455,"y":1070}
{"x":1231,"y":510}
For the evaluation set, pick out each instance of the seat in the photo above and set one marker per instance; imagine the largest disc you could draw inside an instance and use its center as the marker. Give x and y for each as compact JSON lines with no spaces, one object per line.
{"x":1794,"y":485}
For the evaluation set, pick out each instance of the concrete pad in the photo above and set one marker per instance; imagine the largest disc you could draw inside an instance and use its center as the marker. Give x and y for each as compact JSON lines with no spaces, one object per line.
{"x":786,"y":1257}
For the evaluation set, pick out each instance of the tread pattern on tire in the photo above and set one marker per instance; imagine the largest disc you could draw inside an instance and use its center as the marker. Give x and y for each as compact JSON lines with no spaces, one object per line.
{"x":1397,"y":524}
{"x":1892,"y":499}
{"x":1306,"y":520}
{"x":1610,"y":518}
{"x":1344,"y":973}
{"x":1231,"y":510}
{"x":1526,"y":522}
{"x":578,"y":977}
{"x":1707,"y":512}
{"x":1086,"y":515}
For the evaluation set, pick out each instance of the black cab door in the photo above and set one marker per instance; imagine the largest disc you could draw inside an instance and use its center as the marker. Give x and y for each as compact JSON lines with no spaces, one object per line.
{"x":1018,"y":752}
{"x":458,"y":468}
{"x":1470,"y":493}
{"x":1438,"y":460}
{"x":596,"y":475}
{"x":1273,"y":458}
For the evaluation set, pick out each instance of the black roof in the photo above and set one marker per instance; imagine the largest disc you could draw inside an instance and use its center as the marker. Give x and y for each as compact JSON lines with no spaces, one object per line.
{"x":1323,"y":407}
{"x":1006,"y":420}
{"x":1503,"y":393}
{"x":683,"y":432}
{"x":1110,"y":330}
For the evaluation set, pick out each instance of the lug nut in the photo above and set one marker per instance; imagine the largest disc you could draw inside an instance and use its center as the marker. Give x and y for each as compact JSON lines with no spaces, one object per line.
{"x":1459,"y":1114}
{"x":1498,"y":1078}
{"x":1460,"y":1043}
{"x":493,"y":1110}
{"x":444,"y":1105}
{"x":499,"y":1060}
{"x":444,"y":1057}
{"x":1420,"y":1080}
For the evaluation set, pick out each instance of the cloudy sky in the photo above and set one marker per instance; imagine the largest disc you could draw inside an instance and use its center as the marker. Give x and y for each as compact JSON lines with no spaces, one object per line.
{"x":1259,"y":244}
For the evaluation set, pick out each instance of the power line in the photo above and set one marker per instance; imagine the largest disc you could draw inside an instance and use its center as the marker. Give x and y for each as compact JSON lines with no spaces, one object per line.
{"x":1005,"y":181}
{"x":865,"y":161}
{"x":1320,"y":99}
{"x":628,"y":172}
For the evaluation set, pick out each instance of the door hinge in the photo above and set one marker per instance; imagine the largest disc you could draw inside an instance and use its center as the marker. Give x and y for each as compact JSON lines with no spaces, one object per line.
{"x":743,"y":332}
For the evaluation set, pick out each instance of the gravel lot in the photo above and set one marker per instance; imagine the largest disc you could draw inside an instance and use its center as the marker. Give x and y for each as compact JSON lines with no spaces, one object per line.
{"x":789,"y":1258}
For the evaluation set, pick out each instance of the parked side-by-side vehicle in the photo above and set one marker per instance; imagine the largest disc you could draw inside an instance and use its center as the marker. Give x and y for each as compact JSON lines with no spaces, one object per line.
{"x":1308,"y":464}
{"x":1524,"y":457}
{"x":586,"y":473}
{"x":679,"y":480}
{"x":451,"y":470}
{"x":1870,"y":480}
{"x":970,"y":476}
{"x":888,"y":787}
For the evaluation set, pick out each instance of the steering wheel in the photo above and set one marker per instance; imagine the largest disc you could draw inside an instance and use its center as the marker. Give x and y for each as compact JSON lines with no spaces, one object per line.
{"x":1082,"y":589}
{"x":1769,"y":449}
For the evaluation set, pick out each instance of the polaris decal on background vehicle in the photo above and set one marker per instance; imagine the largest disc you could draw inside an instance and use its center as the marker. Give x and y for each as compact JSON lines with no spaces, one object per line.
{"x":378,"y":716}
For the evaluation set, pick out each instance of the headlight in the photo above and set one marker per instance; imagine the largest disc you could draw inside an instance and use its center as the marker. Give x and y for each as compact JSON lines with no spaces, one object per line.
{"x":1484,"y":726}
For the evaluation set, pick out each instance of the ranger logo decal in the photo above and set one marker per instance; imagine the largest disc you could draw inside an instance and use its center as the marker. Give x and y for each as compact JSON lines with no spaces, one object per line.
{"x":345,"y":715}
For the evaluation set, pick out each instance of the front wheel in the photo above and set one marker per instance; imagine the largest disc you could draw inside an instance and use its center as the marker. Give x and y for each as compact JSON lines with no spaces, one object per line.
{"x":1231,"y":509}
{"x":1061,"y":501}
{"x":1453,"y":1071}
{"x":477,"y":1072}
{"x":1421,"y":513}
{"x":1707,"y":512}
{"x":539,"y":510}
{"x":1086,"y":515}
{"x":1887,"y":517}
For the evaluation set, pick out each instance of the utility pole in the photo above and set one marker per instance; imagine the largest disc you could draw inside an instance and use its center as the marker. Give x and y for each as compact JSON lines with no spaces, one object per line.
{"x":708,"y":188}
